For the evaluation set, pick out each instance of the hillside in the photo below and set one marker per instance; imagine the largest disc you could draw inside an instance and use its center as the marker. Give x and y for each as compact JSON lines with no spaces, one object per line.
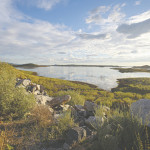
{"x":27,"y":125}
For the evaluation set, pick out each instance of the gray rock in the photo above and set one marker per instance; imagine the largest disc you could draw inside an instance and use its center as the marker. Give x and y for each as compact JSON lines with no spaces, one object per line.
{"x":75,"y":135}
{"x":24,"y":82}
{"x":94,"y":121}
{"x":42,"y":99}
{"x":57,"y":116}
{"x":33,"y":88}
{"x":42,"y":88}
{"x":89,"y":132}
{"x":90,"y":106}
{"x":78,"y":107}
{"x":59,"y":100}
{"x":141,"y":109}
{"x":66,"y":146}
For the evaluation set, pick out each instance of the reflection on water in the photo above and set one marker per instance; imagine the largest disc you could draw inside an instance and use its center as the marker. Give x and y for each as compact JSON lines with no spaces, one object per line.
{"x":103,"y":77}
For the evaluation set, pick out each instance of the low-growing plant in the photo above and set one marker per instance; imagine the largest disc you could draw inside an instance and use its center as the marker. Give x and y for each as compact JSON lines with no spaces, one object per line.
{"x":6,"y":139}
{"x":65,"y":122}
{"x":76,"y":98}
{"x":41,"y":115}
{"x":122,"y":131}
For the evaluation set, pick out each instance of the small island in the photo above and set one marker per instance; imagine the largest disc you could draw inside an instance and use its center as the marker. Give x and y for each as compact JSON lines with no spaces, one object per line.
{"x":144,"y":68}
{"x":29,"y":65}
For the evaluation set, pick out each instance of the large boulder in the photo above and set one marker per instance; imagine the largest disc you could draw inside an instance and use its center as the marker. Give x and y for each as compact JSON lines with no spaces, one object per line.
{"x":141,"y":109}
{"x":75,"y":135}
{"x":59,"y":100}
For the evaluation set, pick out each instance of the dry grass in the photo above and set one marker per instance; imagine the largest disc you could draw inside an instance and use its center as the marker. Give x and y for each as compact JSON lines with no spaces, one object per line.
{"x":41,"y":115}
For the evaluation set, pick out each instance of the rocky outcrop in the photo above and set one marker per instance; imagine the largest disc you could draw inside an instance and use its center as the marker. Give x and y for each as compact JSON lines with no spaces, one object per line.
{"x":141,"y":109}
{"x":84,"y":115}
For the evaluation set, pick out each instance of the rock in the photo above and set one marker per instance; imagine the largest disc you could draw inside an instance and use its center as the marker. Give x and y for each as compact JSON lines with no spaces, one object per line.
{"x":112,"y":142}
{"x":105,"y":108}
{"x":78,"y":107}
{"x":74,"y":113}
{"x":38,"y":87}
{"x":24,"y":82}
{"x":80,"y":110}
{"x":42,"y":99}
{"x":59,"y":100}
{"x":82,"y":113}
{"x":88,"y":131}
{"x":42,"y":88}
{"x":66,"y":146}
{"x":75,"y":135}
{"x":94,"y":121}
{"x":51,"y":110}
{"x":65,"y":107}
{"x":37,"y":92}
{"x":141,"y":109}
{"x":33,"y":88}
{"x":90,"y":106}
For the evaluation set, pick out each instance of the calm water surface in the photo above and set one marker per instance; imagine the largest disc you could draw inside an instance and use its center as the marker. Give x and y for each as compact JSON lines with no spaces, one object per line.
{"x":103,"y":77}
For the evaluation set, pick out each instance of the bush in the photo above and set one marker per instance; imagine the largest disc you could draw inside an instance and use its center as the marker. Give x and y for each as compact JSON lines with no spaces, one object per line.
{"x":76,"y":98}
{"x":14,"y":102}
{"x":41,"y":115}
{"x":123,"y":132}
{"x":65,"y":122}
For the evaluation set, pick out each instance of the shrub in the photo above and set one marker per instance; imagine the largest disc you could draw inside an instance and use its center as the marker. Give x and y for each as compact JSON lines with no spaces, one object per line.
{"x":64,"y":123}
{"x":123,"y":132}
{"x":14,"y":102}
{"x":41,"y":115}
{"x":76,"y":98}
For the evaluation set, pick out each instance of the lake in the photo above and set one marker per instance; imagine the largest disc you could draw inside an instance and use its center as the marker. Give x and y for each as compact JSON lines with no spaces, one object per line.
{"x":104,"y":77}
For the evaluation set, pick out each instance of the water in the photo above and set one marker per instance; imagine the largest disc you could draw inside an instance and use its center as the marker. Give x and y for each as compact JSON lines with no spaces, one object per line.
{"x":104,"y":77}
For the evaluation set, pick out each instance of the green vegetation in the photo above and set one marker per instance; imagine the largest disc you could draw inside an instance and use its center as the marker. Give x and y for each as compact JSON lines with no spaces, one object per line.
{"x":22,"y":123}
{"x":14,"y":102}
{"x":126,"y":70}
{"x":121,"y":131}
{"x":134,"y":85}
{"x":76,"y":99}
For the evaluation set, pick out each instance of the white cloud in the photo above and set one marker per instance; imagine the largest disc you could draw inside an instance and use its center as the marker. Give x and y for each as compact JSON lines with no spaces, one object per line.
{"x":98,"y":15}
{"x":43,"y":4}
{"x":137,"y":2}
{"x":47,"y":4}
{"x":139,"y":18}
{"x":24,"y":39}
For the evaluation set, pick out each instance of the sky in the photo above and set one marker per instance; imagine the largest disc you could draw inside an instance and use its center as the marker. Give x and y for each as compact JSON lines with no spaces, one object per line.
{"x":101,"y":32}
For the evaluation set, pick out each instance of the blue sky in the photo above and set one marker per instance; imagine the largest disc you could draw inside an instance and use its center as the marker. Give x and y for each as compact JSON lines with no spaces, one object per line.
{"x":75,"y":31}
